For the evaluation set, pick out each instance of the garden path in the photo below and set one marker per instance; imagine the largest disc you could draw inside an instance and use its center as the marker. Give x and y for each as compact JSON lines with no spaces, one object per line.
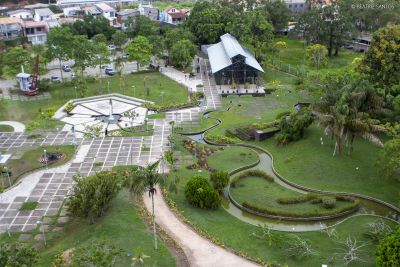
{"x":18,"y":127}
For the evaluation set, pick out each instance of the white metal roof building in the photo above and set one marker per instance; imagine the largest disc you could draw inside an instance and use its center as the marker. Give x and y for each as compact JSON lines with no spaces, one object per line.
{"x":231,"y":62}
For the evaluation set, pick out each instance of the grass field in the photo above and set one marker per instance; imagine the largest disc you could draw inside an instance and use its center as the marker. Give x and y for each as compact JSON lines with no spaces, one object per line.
{"x":238,"y":235}
{"x":29,"y":161}
{"x":121,"y":226}
{"x":60,"y":94}
{"x":259,"y":192}
{"x":6,"y":128}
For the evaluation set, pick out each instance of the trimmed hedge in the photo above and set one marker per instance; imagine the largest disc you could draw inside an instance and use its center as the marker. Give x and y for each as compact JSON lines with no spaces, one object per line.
{"x":299,"y":199}
{"x":219,"y":139}
{"x":248,"y":173}
{"x":201,"y":194}
{"x":219,"y":180}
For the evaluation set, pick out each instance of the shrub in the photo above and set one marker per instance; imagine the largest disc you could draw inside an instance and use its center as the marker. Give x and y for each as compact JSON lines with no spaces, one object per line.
{"x":292,"y":127}
{"x":69,"y":107}
{"x":297,"y":199}
{"x":328,"y":202}
{"x":17,"y":254}
{"x":219,"y":139}
{"x":200,"y":193}
{"x":388,"y":251}
{"x":92,"y":195}
{"x":219,"y":180}
{"x":248,"y":173}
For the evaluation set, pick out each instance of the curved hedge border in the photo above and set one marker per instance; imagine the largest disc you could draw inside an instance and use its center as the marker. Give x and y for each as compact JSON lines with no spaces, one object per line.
{"x":306,"y":189}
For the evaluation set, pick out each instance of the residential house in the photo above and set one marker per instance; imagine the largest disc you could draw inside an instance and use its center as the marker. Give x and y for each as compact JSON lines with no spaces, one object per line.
{"x":72,"y":11}
{"x":65,"y":3}
{"x":108,"y":12}
{"x":124,"y":15}
{"x":52,"y":24}
{"x":43,"y":14}
{"x":362,"y":43}
{"x":36,"y":6}
{"x":150,"y":12}
{"x":10,"y":28}
{"x":91,"y":11}
{"x":297,"y":6}
{"x":175,"y":16}
{"x":20,"y":13}
{"x":35,"y":31}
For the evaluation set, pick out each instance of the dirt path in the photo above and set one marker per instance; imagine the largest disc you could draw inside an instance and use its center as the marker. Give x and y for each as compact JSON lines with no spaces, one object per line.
{"x":199,"y":251}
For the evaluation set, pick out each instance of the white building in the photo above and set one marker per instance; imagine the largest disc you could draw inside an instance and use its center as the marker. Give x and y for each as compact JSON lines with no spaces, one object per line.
{"x":21,"y":14}
{"x":36,"y":31}
{"x":43,"y":14}
{"x":64,"y":3}
{"x":108,"y":12}
{"x":72,"y":11}
{"x":297,"y":5}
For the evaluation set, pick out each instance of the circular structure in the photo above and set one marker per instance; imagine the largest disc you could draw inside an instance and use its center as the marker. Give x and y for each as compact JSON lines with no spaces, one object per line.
{"x":103,"y":114}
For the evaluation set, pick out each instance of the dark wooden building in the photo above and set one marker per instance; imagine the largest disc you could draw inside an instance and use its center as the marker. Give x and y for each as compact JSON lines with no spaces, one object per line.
{"x":231,"y":63}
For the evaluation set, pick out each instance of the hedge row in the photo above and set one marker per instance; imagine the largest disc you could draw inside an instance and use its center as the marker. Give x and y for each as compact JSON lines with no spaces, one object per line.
{"x":249,"y":173}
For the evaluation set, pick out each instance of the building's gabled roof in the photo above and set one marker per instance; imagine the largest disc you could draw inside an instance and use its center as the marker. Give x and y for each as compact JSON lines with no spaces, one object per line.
{"x":126,"y":12}
{"x":10,"y":21}
{"x":92,"y":10}
{"x":221,"y":54}
{"x":35,"y":6}
{"x":104,"y":7}
{"x":44,"y":12}
{"x":13,"y":12}
{"x":34,"y":24}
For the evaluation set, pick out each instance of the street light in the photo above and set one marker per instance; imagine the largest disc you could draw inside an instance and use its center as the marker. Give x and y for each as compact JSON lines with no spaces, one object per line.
{"x":108,"y":86}
{"x":76,"y":92}
{"x":134,"y":90}
{"x":40,"y":223}
{"x":45,"y":157}
{"x":8,"y":175}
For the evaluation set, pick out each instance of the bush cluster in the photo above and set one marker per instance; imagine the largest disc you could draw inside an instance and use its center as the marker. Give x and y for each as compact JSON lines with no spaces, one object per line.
{"x":219,"y":139}
{"x":388,"y":251}
{"x":328,"y":202}
{"x":299,"y":199}
{"x":200,"y":193}
{"x":219,"y":180}
{"x":292,"y":127}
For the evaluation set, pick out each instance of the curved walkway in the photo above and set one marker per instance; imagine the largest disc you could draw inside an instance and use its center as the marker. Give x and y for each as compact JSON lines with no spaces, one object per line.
{"x":18,"y":127}
{"x":199,"y":251}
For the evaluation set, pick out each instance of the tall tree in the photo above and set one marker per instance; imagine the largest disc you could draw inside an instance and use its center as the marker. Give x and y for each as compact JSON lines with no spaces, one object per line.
{"x":92,"y":25}
{"x":14,"y":58}
{"x":141,"y":25}
{"x":140,"y":50}
{"x":101,"y":56}
{"x":119,"y":39}
{"x":316,"y":55}
{"x":145,"y":180}
{"x":83,"y":53}
{"x":182,"y":53}
{"x":389,"y":158}
{"x":176,"y":34}
{"x":278,"y":13}
{"x":59,"y":45}
{"x":382,"y":61}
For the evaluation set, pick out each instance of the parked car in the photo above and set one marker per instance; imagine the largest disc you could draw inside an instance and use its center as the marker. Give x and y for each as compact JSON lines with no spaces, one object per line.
{"x":109,"y":71}
{"x":55,"y":79}
{"x":125,"y":55}
{"x":66,"y":68}
{"x":112,"y":47}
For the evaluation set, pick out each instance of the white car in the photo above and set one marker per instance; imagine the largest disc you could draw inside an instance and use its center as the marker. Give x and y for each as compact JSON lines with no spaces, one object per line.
{"x":112,"y":47}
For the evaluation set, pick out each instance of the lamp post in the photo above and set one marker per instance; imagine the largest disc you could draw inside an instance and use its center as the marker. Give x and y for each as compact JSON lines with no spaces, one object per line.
{"x":76,"y":92}
{"x":162,"y":97}
{"x":134,"y":90}
{"x":40,"y":223}
{"x":8,"y":175}
{"x":108,"y":86}
{"x":45,"y":157}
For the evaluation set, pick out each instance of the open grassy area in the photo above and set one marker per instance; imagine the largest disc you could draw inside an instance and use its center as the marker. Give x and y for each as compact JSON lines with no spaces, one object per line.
{"x":29,"y":161}
{"x":6,"y":128}
{"x":258,"y":192}
{"x":121,"y":226}
{"x":238,"y":235}
{"x":232,"y":157}
{"x":61,"y":93}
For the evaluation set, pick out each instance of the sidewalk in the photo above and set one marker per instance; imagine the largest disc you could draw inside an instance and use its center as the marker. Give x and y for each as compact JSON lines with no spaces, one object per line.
{"x":180,"y":77}
{"x":199,"y":251}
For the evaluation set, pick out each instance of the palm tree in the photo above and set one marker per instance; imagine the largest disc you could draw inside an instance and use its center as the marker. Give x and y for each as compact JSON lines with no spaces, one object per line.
{"x":145,"y":180}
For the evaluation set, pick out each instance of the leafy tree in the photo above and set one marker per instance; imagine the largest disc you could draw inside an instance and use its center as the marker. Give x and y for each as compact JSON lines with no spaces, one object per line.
{"x":139,"y":257}
{"x":388,"y":251}
{"x":177,"y":34}
{"x":119,"y":39}
{"x":83,"y":53}
{"x":92,"y":195}
{"x":59,"y":45}
{"x":316,"y":55}
{"x":254,"y":30}
{"x":141,"y":25}
{"x":278,"y":13}
{"x":140,"y":50}
{"x":182,"y":53}
{"x":17,"y":254}
{"x":99,"y":38}
{"x":382,"y":61}
{"x":92,"y":25}
{"x":14,"y":58}
{"x":169,"y":157}
{"x":292,"y":127}
{"x":144,"y":180}
{"x":389,"y":158}
{"x":219,"y":180}
{"x":200,"y":193}
{"x":279,"y":46}
{"x":101,"y":57}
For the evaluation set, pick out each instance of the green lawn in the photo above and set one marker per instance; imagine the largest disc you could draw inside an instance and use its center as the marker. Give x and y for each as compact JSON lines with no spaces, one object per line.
{"x":121,"y":226}
{"x":29,"y":161}
{"x":259,"y":192}
{"x":231,"y":157}
{"x":311,"y":164}
{"x":237,"y":234}
{"x":60,"y":94}
{"x":6,"y":128}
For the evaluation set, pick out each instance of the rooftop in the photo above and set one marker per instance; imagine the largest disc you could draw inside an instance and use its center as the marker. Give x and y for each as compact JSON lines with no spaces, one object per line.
{"x":33,"y":24}
{"x":104,"y":7}
{"x":10,"y":20}
{"x":127,"y":12}
{"x":44,"y":12}
{"x":12,"y":12}
{"x":35,"y":6}
{"x":221,"y":54}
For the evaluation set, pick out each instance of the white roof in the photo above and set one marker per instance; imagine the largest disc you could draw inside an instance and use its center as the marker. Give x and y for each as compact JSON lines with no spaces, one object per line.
{"x":44,"y":12}
{"x":73,"y":8}
{"x":23,"y":75}
{"x":104,"y":7}
{"x":221,"y":54}
{"x":13,"y":12}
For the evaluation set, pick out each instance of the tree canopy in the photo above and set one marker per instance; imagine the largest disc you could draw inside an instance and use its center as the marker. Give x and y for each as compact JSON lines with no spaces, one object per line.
{"x":182,"y":53}
{"x":140,"y":50}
